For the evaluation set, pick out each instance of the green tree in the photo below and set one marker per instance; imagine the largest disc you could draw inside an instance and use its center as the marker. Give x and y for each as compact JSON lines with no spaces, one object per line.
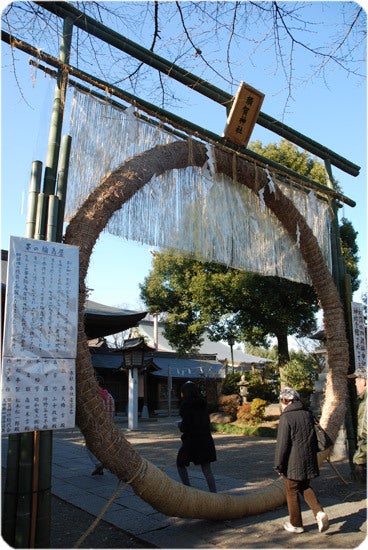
{"x":349,"y":250}
{"x":168,"y":289}
{"x":291,"y":156}
{"x":301,"y":372}
{"x":226,"y":301}
{"x":230,"y":303}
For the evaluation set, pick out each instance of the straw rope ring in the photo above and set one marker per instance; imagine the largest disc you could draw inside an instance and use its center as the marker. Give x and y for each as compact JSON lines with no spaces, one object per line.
{"x":103,"y":437}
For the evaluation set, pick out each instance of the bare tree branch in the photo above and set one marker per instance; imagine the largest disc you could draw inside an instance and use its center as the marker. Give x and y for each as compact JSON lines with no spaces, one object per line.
{"x":232,"y":34}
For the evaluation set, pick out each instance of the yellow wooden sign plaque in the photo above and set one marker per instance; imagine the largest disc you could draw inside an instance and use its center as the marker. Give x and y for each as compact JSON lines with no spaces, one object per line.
{"x":243,"y":114}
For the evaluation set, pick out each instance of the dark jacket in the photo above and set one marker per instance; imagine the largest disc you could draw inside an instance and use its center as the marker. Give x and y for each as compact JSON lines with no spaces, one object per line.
{"x":360,"y":455}
{"x":198,"y":445}
{"x":296,"y":446}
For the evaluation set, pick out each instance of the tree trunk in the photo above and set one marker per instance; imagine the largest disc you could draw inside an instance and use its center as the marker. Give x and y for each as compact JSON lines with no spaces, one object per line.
{"x":282,"y":349}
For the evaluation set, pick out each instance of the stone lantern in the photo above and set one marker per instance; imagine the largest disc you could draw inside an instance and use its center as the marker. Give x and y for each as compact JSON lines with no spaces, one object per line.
{"x":243,"y":390}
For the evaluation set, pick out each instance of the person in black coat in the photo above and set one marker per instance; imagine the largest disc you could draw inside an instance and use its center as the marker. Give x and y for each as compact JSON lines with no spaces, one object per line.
{"x":197,"y":442}
{"x":296,"y":460}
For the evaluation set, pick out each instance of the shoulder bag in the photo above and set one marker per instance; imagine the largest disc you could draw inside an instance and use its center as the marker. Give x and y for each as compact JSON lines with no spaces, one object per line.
{"x":324,"y":440}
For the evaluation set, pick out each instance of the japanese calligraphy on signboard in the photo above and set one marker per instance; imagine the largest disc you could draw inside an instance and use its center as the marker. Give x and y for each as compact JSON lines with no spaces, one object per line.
{"x":40,"y":336}
{"x":243,"y":114}
{"x":359,"y":336}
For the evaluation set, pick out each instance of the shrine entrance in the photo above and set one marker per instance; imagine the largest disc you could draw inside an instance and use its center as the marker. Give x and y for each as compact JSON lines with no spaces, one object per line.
{"x":189,"y":146}
{"x":116,"y":453}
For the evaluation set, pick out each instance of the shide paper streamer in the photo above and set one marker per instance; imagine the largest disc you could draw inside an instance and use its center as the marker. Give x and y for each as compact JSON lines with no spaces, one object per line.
{"x":195,"y":210}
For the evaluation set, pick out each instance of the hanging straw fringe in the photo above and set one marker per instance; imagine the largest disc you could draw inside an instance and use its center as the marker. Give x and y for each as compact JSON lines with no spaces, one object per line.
{"x":224,"y":221}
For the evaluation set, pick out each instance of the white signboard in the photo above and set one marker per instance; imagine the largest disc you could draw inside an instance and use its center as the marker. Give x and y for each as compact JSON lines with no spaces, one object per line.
{"x":360,"y":345}
{"x":40,"y":336}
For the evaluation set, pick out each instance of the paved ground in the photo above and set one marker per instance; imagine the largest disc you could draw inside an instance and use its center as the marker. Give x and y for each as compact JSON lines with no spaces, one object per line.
{"x":243,"y":463}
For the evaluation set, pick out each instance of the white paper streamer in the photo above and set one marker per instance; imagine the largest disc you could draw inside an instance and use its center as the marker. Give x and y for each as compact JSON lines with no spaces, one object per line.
{"x":211,"y":163}
{"x":194,"y":210}
{"x":297,"y":235}
{"x":271,"y":184}
{"x":261,"y":199}
{"x":313,"y":201}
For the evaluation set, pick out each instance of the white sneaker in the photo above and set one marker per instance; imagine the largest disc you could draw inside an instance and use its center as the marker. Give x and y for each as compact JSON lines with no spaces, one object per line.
{"x":322,"y":521}
{"x":291,"y":528}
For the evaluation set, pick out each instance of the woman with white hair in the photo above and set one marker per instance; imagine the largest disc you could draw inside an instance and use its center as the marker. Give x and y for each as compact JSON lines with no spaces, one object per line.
{"x":296,"y":460}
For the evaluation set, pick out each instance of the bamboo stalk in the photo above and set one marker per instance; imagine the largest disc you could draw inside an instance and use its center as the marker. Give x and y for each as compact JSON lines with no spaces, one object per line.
{"x":34,"y":189}
{"x":43,"y":526}
{"x":23,"y":512}
{"x":52,"y":218}
{"x":62,"y":182}
{"x":30,"y":510}
{"x":184,"y":126}
{"x":10,"y":500}
{"x":57,"y":112}
{"x":35,"y":472}
{"x":97,"y":29}
{"x":178,"y":122}
{"x":41,"y":217}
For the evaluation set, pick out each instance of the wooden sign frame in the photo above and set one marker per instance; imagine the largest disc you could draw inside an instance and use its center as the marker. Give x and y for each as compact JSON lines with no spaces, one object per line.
{"x":243,"y":114}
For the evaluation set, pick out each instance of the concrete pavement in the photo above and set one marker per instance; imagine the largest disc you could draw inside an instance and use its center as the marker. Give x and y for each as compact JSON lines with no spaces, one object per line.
{"x":243,"y":463}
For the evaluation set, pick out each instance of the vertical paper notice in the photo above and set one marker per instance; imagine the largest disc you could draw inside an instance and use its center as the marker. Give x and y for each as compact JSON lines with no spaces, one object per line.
{"x":40,"y":336}
{"x":360,"y":345}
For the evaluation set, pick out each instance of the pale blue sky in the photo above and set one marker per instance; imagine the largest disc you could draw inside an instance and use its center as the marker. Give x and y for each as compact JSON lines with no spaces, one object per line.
{"x":334,"y":116}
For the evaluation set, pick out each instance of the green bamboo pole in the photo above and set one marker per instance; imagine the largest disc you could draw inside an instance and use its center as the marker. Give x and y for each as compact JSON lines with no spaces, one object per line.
{"x":44,"y":462}
{"x":175,"y":120}
{"x":343,"y":283}
{"x":57,"y":113}
{"x":52,"y":218}
{"x":62,"y":182}
{"x":97,"y":29}
{"x":10,"y":500}
{"x":43,"y":515}
{"x":23,"y":516}
{"x":351,"y":417}
{"x":18,"y":480}
{"x":28,"y":507}
{"x":178,"y":122}
{"x":41,"y":217}
{"x":34,"y":189}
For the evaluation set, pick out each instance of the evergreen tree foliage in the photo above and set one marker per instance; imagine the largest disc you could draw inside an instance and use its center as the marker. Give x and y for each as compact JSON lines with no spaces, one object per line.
{"x":247,"y":307}
{"x":349,"y":250}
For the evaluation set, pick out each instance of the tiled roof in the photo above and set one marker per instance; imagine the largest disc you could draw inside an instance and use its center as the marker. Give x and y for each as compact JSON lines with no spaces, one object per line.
{"x":187,"y":368}
{"x":218,"y":349}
